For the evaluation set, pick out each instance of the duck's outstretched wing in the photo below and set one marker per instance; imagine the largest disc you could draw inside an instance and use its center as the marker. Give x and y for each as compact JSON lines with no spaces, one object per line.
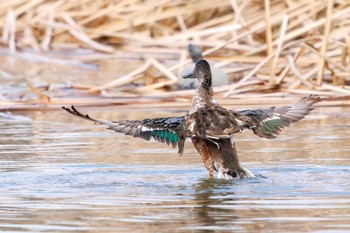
{"x":268,"y":123}
{"x":167,"y":130}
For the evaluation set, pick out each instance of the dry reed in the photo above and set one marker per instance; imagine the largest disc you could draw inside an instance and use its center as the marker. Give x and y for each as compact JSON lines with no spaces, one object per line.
{"x":253,"y":41}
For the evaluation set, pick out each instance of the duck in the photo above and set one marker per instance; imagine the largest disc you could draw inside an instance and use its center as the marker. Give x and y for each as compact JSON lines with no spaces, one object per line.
{"x":220,"y":78}
{"x":211,"y":127}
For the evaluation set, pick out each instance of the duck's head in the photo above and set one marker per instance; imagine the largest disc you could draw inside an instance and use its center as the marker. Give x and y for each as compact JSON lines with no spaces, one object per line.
{"x":202,"y":73}
{"x":194,"y":52}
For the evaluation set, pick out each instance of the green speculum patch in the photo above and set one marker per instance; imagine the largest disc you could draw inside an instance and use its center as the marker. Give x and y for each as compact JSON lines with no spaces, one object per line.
{"x":271,"y":125}
{"x":166,"y":134}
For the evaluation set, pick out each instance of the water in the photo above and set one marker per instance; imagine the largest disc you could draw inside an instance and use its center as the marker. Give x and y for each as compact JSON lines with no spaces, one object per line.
{"x":63,"y":174}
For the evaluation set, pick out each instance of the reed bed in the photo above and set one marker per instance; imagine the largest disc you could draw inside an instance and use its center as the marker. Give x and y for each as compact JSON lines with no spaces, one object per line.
{"x":268,"y":48}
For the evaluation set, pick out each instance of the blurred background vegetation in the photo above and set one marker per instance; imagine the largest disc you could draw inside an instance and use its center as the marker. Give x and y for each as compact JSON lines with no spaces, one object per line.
{"x":118,"y":52}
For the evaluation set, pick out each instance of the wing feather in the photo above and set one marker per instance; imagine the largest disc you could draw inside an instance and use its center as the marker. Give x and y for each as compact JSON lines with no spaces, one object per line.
{"x":268,"y":123}
{"x":166,"y":130}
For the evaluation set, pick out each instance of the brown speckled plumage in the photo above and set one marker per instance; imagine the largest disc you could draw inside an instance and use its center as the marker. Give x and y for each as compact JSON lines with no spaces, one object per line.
{"x":211,"y":127}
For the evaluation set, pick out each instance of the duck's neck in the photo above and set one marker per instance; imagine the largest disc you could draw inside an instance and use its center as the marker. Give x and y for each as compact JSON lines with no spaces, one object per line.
{"x":203,"y":97}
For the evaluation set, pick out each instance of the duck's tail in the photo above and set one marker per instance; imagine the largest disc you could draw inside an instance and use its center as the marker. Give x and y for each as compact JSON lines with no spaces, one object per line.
{"x":238,"y":173}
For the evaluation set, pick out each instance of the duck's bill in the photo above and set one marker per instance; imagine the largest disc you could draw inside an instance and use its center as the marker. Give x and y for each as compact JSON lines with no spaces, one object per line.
{"x":190,"y":75}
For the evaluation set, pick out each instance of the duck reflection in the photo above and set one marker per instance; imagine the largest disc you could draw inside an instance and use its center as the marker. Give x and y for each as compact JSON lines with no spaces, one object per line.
{"x":210,"y":196}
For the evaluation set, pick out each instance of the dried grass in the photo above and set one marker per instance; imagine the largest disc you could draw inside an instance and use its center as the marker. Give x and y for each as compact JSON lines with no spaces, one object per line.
{"x":251,"y":40}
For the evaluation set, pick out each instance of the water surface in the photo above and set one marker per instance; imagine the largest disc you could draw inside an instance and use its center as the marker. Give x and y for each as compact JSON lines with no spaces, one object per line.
{"x":62,"y":174}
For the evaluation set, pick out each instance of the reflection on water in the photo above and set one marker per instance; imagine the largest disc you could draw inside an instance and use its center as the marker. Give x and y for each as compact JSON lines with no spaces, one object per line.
{"x":59,"y":173}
